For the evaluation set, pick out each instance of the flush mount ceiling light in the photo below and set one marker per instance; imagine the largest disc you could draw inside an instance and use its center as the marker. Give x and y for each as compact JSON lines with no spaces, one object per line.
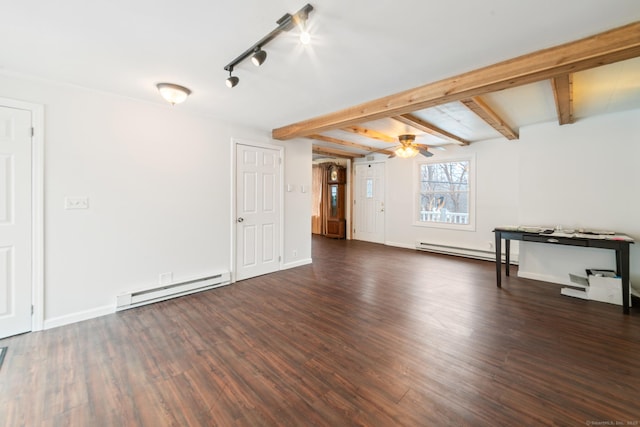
{"x":258,"y":56}
{"x":172,"y":93}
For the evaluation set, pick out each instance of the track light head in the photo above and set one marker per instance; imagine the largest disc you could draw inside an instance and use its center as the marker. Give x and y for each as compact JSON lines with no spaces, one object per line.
{"x":259,"y":57}
{"x":232,"y":81}
{"x":305,"y":37}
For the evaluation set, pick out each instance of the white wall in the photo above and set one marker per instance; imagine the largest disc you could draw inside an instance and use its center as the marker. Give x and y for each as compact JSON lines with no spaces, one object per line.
{"x":579,"y":175}
{"x":496,"y":174}
{"x":583,"y":175}
{"x":159,"y":187}
{"x":297,"y":245}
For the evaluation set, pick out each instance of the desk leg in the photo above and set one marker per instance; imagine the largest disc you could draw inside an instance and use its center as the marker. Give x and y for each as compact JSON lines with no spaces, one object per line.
{"x":622,"y":262}
{"x":507,"y":255}
{"x":498,"y":259}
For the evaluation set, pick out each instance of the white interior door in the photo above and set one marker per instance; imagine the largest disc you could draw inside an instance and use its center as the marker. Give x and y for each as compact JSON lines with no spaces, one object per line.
{"x":257,"y":211}
{"x":369,"y":203}
{"x":15,"y":221}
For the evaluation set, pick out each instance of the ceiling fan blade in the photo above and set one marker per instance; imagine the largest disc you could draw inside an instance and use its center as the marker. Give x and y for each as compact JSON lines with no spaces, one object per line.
{"x":423,"y":150}
{"x":384,"y":150}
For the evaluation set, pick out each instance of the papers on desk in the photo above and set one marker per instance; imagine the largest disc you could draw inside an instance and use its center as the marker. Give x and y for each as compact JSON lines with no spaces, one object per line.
{"x":561,"y":234}
{"x":568,"y":233}
{"x":622,"y":237}
{"x":525,"y":228}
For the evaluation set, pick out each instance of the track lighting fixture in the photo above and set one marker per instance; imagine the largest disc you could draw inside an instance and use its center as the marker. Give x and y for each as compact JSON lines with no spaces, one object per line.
{"x":172,"y":93}
{"x":305,"y":37}
{"x":256,"y":52}
{"x":259,"y":57}
{"x":232,"y":80}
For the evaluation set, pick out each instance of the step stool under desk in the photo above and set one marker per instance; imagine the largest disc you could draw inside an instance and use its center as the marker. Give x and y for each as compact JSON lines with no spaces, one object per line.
{"x":620,"y":246}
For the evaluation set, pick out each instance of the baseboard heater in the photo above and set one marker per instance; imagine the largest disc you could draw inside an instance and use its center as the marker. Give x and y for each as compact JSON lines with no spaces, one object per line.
{"x":174,"y":290}
{"x":463,"y":252}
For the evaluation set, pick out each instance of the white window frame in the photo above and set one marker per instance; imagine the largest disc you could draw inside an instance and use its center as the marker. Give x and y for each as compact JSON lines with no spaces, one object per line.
{"x":471,"y":226}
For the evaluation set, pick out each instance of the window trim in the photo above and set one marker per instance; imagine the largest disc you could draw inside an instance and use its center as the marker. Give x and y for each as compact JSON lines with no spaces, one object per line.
{"x":471,"y":226}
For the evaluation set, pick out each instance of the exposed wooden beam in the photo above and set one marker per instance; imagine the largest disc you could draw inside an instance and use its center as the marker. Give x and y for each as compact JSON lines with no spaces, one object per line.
{"x":347,"y":143}
{"x":604,"y":48}
{"x":563,"y":94}
{"x":418,"y":123}
{"x":334,"y":152}
{"x":482,"y":110}
{"x":369,"y":133}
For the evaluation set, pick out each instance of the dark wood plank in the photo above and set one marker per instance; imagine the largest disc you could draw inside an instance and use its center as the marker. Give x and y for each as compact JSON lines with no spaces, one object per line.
{"x":367,"y":335}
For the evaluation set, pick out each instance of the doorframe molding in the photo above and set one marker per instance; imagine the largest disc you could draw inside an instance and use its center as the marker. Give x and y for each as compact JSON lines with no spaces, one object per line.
{"x":234,"y":187}
{"x":37,"y":207}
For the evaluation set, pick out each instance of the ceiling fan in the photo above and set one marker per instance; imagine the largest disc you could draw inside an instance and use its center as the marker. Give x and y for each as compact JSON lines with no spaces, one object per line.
{"x":409,"y":148}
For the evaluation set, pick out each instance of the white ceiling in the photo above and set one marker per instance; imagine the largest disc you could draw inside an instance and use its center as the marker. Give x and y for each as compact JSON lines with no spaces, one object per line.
{"x":361,"y":50}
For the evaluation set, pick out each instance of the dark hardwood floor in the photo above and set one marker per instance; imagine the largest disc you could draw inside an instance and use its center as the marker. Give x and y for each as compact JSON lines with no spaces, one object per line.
{"x":368,"y":335}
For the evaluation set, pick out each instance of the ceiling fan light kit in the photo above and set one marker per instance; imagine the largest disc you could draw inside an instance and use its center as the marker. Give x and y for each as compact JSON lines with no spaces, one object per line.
{"x":408,"y":148}
{"x":256,"y":52}
{"x":406,"y":152}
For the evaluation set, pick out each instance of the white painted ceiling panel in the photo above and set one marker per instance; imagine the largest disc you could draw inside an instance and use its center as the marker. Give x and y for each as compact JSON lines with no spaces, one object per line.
{"x":615,"y":87}
{"x":524,"y":105}
{"x":457,"y":119}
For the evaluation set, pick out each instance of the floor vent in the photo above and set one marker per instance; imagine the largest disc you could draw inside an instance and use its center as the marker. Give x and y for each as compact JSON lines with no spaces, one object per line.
{"x":161,"y":293}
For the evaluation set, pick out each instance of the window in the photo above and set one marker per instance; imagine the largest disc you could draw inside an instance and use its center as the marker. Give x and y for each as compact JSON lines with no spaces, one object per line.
{"x":445,"y":196}
{"x":369,"y":188}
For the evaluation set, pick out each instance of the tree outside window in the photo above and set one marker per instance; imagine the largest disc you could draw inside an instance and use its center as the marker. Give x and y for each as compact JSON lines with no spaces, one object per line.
{"x":445,"y":193}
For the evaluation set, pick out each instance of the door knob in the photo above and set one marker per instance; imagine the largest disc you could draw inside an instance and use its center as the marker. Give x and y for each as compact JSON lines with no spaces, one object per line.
{"x":240,"y":219}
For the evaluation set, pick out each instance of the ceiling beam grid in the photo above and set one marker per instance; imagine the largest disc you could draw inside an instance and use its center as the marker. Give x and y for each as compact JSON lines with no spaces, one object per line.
{"x":605,"y":48}
{"x":486,"y":113}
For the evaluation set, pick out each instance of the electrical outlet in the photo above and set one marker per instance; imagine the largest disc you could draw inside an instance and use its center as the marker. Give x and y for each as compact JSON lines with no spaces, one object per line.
{"x":295,"y":253}
{"x":491,"y":245}
{"x":165,"y":278}
{"x":76,"y":203}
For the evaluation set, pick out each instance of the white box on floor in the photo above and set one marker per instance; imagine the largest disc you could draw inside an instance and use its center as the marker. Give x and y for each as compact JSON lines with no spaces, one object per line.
{"x":597,"y":288}
{"x":605,"y":289}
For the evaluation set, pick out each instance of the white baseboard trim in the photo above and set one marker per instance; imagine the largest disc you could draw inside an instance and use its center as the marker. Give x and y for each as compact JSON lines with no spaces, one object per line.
{"x":78,"y":317}
{"x":298,"y":263}
{"x":400,"y":245}
{"x":545,"y":278}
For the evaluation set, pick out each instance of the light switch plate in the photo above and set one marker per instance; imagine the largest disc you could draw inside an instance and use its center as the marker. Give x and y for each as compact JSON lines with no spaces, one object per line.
{"x":76,"y":203}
